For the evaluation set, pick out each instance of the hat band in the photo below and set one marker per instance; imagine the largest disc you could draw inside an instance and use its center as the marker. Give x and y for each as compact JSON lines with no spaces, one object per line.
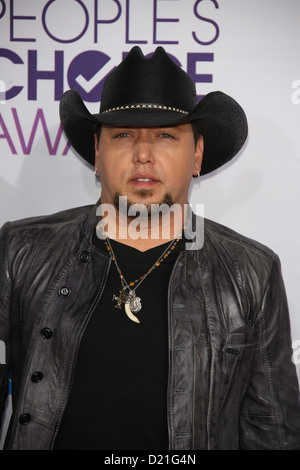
{"x":145,"y":106}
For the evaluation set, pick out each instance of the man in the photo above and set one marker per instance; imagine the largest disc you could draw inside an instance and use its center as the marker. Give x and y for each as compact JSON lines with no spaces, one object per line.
{"x":117,"y":339}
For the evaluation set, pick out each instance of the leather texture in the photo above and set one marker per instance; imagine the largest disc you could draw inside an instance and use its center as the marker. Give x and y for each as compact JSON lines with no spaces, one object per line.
{"x":232,"y":384}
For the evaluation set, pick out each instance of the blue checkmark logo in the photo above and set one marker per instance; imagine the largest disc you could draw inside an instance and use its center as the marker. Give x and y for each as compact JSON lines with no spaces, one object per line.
{"x":87,"y":73}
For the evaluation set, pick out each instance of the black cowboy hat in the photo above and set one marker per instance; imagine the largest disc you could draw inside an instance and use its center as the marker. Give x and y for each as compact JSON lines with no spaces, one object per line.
{"x":155,"y":91}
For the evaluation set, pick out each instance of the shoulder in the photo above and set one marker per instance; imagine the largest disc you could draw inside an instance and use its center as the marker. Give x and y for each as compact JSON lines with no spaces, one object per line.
{"x":56,"y":219}
{"x":47,"y":222}
{"x":33,"y":241}
{"x":31,"y":231}
{"x":236,"y":263}
{"x":234,"y":242}
{"x":228,"y":253}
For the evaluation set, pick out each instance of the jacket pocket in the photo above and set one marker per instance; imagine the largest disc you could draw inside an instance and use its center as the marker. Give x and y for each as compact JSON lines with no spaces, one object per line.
{"x":236,"y":360}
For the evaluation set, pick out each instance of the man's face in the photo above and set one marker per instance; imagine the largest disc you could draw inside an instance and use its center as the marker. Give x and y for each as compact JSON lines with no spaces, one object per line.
{"x":149,"y":165}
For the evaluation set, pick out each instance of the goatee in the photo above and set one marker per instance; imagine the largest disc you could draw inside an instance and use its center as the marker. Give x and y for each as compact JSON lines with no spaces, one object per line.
{"x":143,"y":208}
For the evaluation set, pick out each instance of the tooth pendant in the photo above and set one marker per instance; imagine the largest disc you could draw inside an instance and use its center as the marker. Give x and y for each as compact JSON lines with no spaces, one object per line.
{"x":132,"y":305}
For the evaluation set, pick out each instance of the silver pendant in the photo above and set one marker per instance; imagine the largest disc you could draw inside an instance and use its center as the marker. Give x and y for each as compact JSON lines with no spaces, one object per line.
{"x":135,"y":303}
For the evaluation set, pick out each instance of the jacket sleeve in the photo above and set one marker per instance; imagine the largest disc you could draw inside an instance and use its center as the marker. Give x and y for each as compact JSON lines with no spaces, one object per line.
{"x":5,"y":288}
{"x":270,"y":417}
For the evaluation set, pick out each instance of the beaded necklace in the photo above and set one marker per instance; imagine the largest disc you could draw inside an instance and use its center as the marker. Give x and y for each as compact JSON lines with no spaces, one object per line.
{"x":127,"y":294}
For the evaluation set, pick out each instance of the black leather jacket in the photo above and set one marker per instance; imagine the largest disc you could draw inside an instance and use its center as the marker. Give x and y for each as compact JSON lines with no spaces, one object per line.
{"x":232,"y":384}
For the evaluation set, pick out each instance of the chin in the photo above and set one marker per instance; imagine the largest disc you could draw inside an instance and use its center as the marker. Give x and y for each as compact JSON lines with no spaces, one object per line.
{"x":142,"y":201}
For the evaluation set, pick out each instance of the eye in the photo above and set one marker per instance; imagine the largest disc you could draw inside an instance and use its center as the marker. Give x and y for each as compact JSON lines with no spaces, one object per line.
{"x":121,"y":135}
{"x":165,"y":135}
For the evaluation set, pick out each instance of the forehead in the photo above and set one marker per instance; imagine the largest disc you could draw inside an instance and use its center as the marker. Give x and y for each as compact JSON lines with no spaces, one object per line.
{"x":180,"y":128}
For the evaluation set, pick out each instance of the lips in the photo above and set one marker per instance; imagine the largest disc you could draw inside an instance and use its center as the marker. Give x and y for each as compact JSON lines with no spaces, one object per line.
{"x":143,"y":179}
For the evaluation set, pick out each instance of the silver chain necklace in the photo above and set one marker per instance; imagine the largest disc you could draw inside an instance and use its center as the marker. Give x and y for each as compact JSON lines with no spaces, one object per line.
{"x":127,"y":295}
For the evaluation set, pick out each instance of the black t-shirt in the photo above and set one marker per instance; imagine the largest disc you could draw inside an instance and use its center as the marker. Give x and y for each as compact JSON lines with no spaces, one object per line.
{"x":118,"y":400}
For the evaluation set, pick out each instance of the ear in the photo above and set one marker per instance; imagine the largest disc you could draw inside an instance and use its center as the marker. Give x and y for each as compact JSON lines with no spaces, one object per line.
{"x":199,"y":154}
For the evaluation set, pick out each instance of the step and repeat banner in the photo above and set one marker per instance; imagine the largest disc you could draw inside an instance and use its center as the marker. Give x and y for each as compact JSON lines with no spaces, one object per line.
{"x":249,"y":49}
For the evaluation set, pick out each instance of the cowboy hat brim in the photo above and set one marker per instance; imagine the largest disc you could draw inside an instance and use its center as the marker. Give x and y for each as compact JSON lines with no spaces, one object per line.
{"x":222,"y":122}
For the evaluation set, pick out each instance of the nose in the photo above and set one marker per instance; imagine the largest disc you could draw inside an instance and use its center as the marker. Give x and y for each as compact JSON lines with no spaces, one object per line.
{"x":143,"y":149}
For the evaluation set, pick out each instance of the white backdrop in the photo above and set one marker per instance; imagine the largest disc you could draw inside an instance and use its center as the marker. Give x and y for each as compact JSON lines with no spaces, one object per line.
{"x":248,"y":49}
